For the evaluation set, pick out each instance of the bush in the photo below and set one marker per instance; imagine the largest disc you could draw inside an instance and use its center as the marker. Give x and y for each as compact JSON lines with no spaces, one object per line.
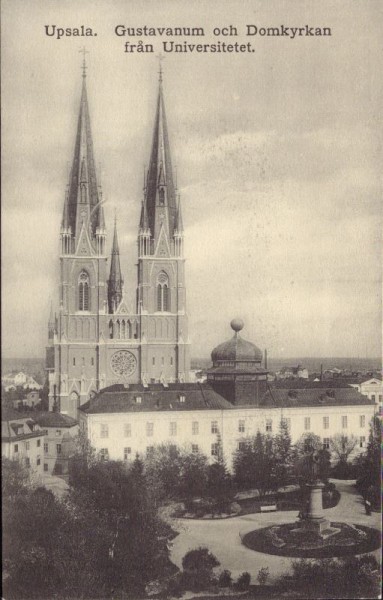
{"x":344,"y":470}
{"x":200,"y":558}
{"x":354,"y":577}
{"x":243,"y":581}
{"x":263,"y":575}
{"x":225,"y":579}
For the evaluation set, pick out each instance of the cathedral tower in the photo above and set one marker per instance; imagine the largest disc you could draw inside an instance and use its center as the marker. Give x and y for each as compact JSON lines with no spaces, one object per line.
{"x":161,"y":298}
{"x":83,"y":292}
{"x":98,"y":339}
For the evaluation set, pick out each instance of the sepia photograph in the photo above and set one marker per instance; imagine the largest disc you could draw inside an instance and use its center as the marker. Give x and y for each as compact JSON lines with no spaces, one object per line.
{"x":191,"y":238}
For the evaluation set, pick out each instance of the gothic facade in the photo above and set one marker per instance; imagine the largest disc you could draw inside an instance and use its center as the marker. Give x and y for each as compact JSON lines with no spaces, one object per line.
{"x":94,"y":340}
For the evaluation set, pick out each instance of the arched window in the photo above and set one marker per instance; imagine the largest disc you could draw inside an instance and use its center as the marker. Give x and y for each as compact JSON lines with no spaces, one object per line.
{"x":163,"y":292}
{"x":83,"y":291}
{"x":162,"y":196}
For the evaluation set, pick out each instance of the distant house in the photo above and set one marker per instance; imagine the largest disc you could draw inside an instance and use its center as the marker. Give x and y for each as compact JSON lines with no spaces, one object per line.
{"x":10,"y":388}
{"x":58,"y":442}
{"x":32,"y":384}
{"x":30,"y":400}
{"x":20,"y":379}
{"x":22,"y":439}
{"x":297,"y":372}
{"x":372,"y":388}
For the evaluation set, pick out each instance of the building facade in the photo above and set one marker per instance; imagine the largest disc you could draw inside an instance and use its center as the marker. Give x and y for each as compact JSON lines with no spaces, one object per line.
{"x":60,"y":431}
{"x":95,"y":341}
{"x":372,"y":388}
{"x":22,"y":439}
{"x":235,"y":403}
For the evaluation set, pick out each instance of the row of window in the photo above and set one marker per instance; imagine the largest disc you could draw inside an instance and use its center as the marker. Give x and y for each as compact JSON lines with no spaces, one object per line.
{"x":28,"y":461}
{"x":38,"y":444}
{"x":104,"y":452}
{"x":162,"y":292}
{"x":362,"y":442}
{"x":326,"y":422}
{"x":214,"y":448}
{"x":214,"y":425}
{"x":104,"y":428}
{"x":373,"y":397}
{"x":162,"y":361}
{"x":83,"y":361}
{"x":27,"y":446}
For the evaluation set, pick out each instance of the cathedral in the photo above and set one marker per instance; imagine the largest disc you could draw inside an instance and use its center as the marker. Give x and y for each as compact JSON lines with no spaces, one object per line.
{"x":94,"y":340}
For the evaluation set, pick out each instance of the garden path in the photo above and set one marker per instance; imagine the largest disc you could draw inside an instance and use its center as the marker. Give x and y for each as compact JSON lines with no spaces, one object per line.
{"x":223,"y":536}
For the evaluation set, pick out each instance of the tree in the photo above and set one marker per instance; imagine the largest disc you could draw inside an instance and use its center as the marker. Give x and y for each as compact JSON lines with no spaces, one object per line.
{"x":368,"y":465}
{"x":193,"y":476}
{"x":198,"y":565}
{"x":219,"y":487}
{"x":342,"y":446}
{"x":307,"y":443}
{"x":282,"y":453}
{"x":15,"y":479}
{"x":255,"y":465}
{"x":163,"y":471}
{"x":122,"y":498}
{"x":354,"y":577}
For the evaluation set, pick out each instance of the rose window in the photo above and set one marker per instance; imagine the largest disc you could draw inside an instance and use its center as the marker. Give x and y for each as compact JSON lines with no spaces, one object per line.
{"x":123,"y":363}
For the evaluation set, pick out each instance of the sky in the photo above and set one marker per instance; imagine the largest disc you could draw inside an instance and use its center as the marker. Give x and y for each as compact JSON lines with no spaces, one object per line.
{"x":278,"y":155}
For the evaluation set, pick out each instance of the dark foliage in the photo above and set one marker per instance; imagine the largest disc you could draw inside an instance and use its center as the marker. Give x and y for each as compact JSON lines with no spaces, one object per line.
{"x":198,"y":568}
{"x":243,"y":581}
{"x":356,"y":577}
{"x":225,"y":579}
{"x":368,"y":466}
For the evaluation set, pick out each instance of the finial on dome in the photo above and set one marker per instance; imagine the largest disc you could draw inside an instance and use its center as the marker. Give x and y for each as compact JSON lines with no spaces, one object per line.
{"x":237,"y":325}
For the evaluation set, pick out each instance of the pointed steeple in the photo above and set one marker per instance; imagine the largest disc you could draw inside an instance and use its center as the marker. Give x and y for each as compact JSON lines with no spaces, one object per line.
{"x":51,"y":324}
{"x":160,"y":189}
{"x":144,"y":222}
{"x":83,"y":182}
{"x":178,"y":226}
{"x":115,"y":282}
{"x":65,"y":217}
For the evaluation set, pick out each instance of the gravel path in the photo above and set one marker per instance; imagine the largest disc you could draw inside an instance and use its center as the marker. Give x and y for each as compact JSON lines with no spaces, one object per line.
{"x":222,"y":536}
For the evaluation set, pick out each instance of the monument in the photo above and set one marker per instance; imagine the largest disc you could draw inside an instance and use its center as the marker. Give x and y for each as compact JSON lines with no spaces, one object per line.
{"x":313,"y":519}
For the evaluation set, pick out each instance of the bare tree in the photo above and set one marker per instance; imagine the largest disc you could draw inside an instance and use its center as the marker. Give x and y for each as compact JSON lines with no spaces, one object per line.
{"x":343,"y":445}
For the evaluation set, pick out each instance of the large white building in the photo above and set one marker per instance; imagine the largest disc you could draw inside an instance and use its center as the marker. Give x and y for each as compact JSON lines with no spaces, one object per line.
{"x":235,"y":403}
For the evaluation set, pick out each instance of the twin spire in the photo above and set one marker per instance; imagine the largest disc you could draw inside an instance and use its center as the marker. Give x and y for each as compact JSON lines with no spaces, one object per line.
{"x":82,"y":187}
{"x":161,"y":204}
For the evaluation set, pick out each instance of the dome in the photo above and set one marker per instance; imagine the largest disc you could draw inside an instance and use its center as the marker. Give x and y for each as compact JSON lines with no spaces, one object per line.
{"x":237,"y":349}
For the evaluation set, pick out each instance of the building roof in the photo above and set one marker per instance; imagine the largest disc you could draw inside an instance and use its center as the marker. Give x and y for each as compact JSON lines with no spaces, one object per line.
{"x":236,"y":349}
{"x":345,"y":396}
{"x":155,"y":398}
{"x":18,"y":426}
{"x":53,"y":419}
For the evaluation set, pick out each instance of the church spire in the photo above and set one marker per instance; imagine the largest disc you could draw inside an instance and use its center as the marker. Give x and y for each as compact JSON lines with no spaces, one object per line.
{"x":160,"y":190}
{"x":115,"y":282}
{"x":51,"y":324}
{"x":178,"y":226}
{"x":83,"y":187}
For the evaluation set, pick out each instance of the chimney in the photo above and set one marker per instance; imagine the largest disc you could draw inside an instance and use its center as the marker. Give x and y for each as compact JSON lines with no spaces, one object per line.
{"x":265,"y":358}
{"x":321,"y":372}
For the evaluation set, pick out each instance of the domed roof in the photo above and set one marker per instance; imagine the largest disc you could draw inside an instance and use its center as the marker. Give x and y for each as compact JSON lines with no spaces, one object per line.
{"x":237,"y":349}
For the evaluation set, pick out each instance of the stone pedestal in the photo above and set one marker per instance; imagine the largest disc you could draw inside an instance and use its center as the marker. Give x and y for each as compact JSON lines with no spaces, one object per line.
{"x":315,"y":511}
{"x":314,"y":520}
